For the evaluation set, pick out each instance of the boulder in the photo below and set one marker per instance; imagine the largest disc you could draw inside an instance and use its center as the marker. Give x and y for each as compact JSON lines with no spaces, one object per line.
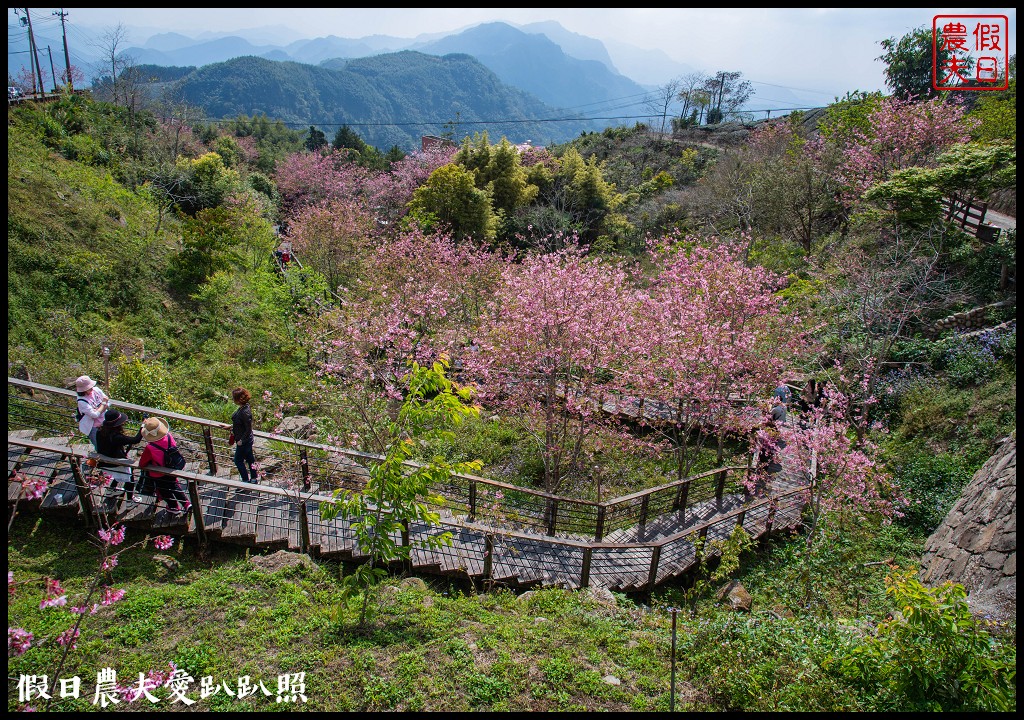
{"x":298,"y":426}
{"x":735,"y":596}
{"x":280,"y":560}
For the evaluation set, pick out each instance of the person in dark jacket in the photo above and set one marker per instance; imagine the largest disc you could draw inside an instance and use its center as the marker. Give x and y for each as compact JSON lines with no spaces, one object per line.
{"x":242,"y":436}
{"x":111,"y":442}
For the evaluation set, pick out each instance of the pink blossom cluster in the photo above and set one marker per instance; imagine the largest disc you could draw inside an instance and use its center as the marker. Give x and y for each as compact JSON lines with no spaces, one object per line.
{"x":112,"y":595}
{"x":33,"y":488}
{"x":54,"y":595}
{"x":163,"y":542}
{"x":901,"y":134}
{"x":18,"y":641}
{"x":69,"y":637}
{"x":113,"y":536}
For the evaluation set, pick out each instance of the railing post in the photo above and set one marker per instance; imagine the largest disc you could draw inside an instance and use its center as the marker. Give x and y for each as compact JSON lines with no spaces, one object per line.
{"x":599,"y":530}
{"x":84,"y":491}
{"x":472,"y":500}
{"x":585,"y":571}
{"x":488,"y":556}
{"x":682,"y":498}
{"x":720,"y":486}
{"x":406,"y":543}
{"x":211,"y":459}
{"x":304,"y":465}
{"x":644,"y":503}
{"x":552,"y":513}
{"x":197,"y":511}
{"x":770,"y":520}
{"x":304,"y":543}
{"x":652,"y":576}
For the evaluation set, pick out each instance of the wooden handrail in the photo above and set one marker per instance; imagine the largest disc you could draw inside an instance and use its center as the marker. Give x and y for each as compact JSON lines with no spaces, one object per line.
{"x":560,"y":499}
{"x":199,"y":478}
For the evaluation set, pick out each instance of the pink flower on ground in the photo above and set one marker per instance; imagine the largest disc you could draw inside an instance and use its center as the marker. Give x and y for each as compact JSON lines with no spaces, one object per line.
{"x":160,"y":678}
{"x":69,"y":637}
{"x":163,"y":542}
{"x":111,"y":595}
{"x":18,"y":641}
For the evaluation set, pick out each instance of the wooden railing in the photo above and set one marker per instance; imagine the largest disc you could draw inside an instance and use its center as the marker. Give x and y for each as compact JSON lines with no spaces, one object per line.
{"x":629,"y":539}
{"x":969,"y":214}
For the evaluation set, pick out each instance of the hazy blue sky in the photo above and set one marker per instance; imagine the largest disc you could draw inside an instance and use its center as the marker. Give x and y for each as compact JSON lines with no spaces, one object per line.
{"x":830,"y":50}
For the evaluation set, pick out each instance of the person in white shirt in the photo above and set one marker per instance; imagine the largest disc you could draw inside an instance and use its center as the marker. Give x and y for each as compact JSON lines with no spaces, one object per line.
{"x":92,"y":404}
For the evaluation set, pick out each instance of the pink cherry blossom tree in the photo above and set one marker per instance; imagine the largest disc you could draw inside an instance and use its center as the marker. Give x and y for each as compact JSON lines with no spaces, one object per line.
{"x":901,"y":134}
{"x":715,"y":338}
{"x":847,"y":482}
{"x":552,"y":345}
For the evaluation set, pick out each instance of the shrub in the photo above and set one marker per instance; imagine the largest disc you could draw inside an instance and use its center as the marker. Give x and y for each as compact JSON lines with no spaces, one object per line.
{"x":933,"y":655}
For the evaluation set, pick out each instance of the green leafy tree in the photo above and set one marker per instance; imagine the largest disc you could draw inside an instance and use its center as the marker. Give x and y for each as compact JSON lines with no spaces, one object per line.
{"x":909,"y":64}
{"x":208,"y":181}
{"x":997,"y":111}
{"x":144,"y":383}
{"x":316,"y":139}
{"x":398,"y":491}
{"x":450,"y":201}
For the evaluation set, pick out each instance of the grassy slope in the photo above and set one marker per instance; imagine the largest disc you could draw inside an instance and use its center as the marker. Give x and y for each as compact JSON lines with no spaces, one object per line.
{"x":437,"y":648}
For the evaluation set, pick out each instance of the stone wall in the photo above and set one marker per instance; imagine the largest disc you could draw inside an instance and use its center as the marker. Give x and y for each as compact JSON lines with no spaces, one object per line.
{"x":974,"y":319}
{"x":976,"y":545}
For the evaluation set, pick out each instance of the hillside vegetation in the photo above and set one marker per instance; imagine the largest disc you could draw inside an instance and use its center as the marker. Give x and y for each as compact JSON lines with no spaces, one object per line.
{"x":622,"y":262}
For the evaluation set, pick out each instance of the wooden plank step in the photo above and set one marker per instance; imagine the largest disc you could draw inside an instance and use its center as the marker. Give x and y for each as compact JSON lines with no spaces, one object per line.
{"x":213,"y":498}
{"x":335,"y":538}
{"x":139,"y":513}
{"x":240,"y":515}
{"x":272,"y":516}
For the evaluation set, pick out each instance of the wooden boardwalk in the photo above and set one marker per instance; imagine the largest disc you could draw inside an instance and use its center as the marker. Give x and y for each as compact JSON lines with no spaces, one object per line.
{"x":626,"y":544}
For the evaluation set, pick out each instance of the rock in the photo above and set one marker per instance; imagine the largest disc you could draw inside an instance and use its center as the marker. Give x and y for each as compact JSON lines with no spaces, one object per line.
{"x":735,"y":596}
{"x":611,"y":680}
{"x":602,"y":596}
{"x":428,"y":601}
{"x":281,"y":559}
{"x":167,"y":561}
{"x":526,"y":596}
{"x":298,"y":426}
{"x":413,"y":582}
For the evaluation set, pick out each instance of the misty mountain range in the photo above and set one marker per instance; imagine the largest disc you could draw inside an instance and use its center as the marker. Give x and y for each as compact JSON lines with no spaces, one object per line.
{"x":571,"y":75}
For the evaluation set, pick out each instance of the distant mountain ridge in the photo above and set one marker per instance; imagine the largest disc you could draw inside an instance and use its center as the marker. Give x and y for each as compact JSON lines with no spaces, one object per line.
{"x":390,"y":99}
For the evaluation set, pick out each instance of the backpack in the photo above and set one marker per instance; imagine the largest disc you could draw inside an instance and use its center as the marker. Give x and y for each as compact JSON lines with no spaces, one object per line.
{"x":173,"y":458}
{"x":78,"y":409}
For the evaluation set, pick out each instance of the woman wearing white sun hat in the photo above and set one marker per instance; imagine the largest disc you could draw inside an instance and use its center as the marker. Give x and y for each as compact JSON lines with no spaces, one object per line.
{"x":92,"y":404}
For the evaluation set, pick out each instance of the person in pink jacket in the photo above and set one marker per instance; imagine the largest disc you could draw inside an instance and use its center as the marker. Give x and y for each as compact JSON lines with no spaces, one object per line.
{"x":157,"y":435}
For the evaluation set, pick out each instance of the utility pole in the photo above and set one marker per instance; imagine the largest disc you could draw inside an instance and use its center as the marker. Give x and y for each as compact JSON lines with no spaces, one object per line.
{"x":53,"y":75}
{"x":32,"y":48}
{"x":67,"y":58}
